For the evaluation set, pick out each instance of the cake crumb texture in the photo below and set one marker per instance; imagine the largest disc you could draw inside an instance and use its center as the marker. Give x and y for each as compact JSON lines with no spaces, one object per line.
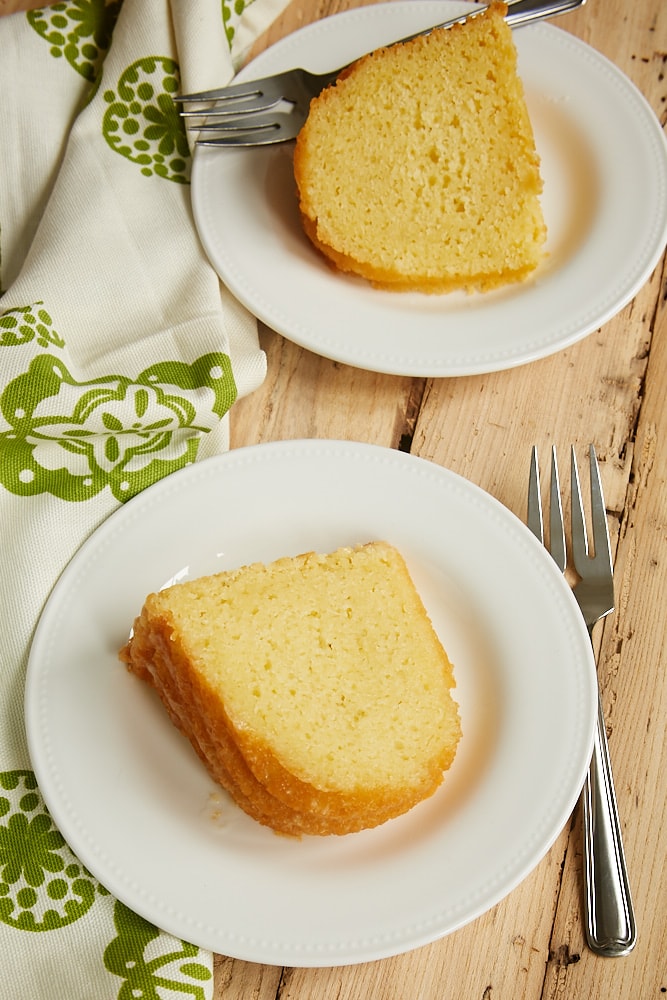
{"x":417,"y":169}
{"x":314,"y":688}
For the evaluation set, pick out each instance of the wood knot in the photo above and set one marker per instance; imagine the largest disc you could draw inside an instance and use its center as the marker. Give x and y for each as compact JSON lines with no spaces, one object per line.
{"x":563,"y":957}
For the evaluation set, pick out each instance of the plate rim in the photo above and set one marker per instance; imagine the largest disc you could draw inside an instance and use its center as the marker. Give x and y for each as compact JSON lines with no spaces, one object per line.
{"x":404,"y":362}
{"x":370,"y":950}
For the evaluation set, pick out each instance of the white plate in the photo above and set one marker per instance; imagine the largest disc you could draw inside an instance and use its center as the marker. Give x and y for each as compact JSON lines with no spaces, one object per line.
{"x":604,"y":163}
{"x":137,"y":806}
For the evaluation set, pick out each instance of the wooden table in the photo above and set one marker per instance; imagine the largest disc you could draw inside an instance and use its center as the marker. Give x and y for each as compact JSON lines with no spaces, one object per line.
{"x":609,"y":389}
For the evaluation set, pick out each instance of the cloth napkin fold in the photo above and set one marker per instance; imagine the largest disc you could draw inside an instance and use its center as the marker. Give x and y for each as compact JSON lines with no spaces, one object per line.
{"x":120,"y":357}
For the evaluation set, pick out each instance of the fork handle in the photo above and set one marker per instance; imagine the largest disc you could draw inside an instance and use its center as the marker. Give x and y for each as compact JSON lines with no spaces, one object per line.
{"x":519,"y":12}
{"x":524,"y":11}
{"x":610,"y":919}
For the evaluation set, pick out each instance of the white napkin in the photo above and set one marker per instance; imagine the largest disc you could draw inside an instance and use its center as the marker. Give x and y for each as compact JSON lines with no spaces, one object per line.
{"x":120,"y":357}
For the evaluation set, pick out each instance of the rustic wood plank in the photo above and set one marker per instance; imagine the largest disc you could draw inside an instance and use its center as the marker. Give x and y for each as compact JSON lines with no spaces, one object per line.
{"x":608,"y":389}
{"x":633,"y":679}
{"x":16,"y":6}
{"x":245,"y":980}
{"x":494,"y":956}
{"x":306,"y":396}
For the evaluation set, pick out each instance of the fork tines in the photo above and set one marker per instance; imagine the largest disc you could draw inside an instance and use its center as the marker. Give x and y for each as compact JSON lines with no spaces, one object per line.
{"x":535,"y":520}
{"x":581,"y":554}
{"x":580,"y":547}
{"x":256,"y":131}
{"x":256,"y":95}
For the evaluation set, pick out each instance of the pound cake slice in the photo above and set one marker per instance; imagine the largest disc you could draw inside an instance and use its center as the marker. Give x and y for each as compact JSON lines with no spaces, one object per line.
{"x":314,"y":688}
{"x":418,"y":169}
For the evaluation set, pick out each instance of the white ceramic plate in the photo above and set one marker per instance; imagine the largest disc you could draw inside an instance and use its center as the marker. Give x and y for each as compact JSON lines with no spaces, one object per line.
{"x":137,"y":806}
{"x":604,"y":163}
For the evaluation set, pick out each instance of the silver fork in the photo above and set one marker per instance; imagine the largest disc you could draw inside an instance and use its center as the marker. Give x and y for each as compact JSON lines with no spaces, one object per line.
{"x":273,"y":109}
{"x":610,"y":921}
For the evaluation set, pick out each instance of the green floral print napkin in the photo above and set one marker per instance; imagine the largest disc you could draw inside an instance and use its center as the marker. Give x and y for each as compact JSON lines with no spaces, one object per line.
{"x":120,"y":357}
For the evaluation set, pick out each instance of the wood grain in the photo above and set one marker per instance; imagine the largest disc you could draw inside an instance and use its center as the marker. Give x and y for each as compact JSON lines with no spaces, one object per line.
{"x":609,"y":389}
{"x":16,"y":6}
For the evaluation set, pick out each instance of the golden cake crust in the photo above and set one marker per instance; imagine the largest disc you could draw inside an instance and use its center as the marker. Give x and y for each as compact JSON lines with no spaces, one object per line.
{"x":417,"y":170}
{"x":257,"y":757}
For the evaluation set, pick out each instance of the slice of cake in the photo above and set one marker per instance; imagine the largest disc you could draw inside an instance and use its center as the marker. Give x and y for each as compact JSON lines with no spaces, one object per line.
{"x":418,"y":170}
{"x":314,"y":688}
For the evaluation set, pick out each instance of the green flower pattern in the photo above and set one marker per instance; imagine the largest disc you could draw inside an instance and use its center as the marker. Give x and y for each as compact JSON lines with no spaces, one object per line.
{"x":142,"y":121}
{"x":28,"y":323}
{"x":72,"y":439}
{"x":79,"y":30}
{"x":145,"y":977}
{"x":42,"y":885}
{"x":231,"y":13}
